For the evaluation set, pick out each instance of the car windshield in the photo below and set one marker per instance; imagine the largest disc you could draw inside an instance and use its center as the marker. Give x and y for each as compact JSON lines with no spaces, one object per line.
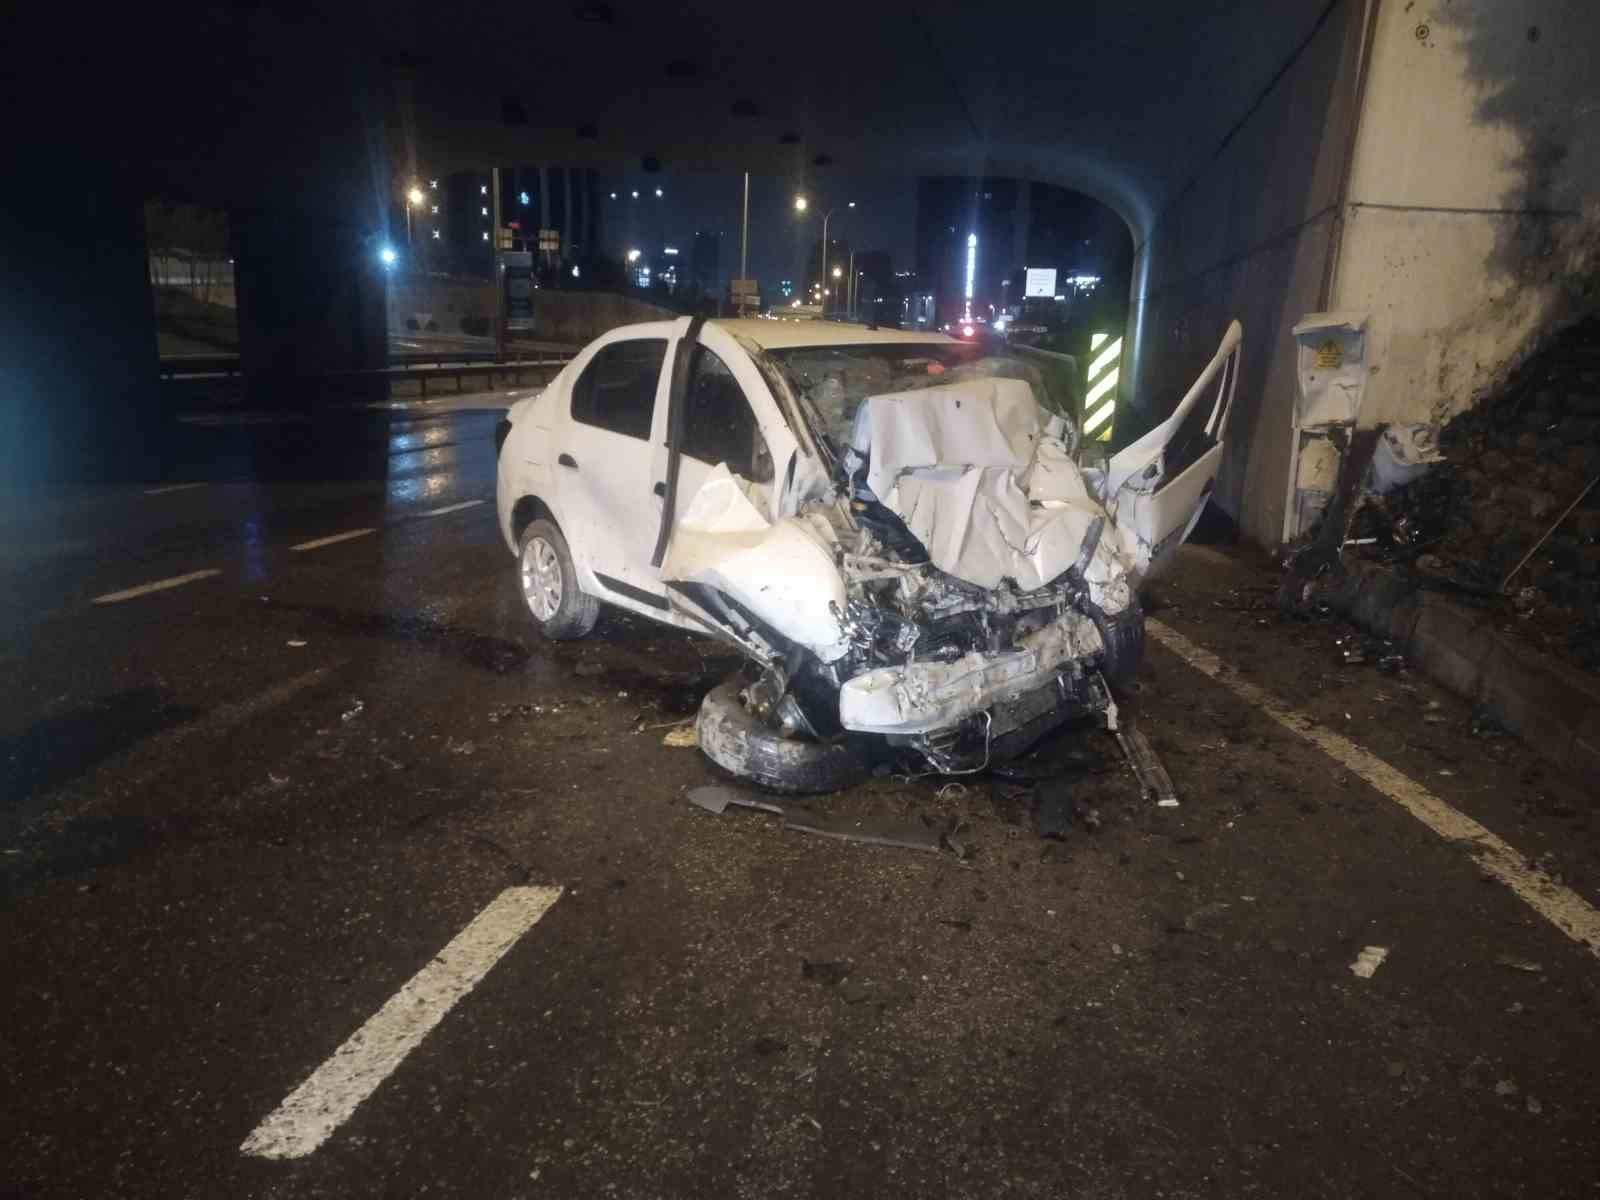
{"x":834,"y":380}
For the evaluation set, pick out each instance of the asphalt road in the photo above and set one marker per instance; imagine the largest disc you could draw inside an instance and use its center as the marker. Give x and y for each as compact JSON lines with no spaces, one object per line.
{"x":280,"y":846}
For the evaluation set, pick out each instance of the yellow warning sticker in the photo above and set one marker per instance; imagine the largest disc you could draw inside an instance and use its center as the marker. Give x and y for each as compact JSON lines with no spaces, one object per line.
{"x":1330,"y":354}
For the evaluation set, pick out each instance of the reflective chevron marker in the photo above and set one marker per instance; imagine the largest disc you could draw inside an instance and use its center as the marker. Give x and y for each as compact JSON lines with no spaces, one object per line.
{"x":1100,"y":401}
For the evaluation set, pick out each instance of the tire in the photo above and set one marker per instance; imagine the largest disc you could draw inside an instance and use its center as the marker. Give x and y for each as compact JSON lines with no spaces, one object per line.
{"x":737,"y":741}
{"x":1123,"y":635}
{"x":549,"y":584}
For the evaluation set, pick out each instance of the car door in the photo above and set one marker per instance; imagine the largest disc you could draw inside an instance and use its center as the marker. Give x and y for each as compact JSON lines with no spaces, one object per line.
{"x":1156,"y":488}
{"x":603,"y":469}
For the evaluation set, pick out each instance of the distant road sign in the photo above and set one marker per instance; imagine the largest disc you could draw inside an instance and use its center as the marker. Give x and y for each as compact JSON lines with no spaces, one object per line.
{"x":1040,"y":281}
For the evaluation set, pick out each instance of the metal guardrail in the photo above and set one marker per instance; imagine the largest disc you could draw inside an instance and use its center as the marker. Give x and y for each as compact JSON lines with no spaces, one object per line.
{"x":421,"y":368}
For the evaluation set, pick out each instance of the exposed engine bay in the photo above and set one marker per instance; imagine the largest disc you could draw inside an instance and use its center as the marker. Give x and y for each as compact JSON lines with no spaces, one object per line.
{"x":958,"y":584}
{"x":959,"y":590}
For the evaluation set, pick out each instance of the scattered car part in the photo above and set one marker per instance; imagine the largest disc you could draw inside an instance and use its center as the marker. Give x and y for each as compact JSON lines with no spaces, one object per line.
{"x":1154,"y":782}
{"x":910,"y":835}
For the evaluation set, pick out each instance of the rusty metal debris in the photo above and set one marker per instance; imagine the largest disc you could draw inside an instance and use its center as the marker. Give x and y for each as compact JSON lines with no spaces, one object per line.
{"x":870,"y":831}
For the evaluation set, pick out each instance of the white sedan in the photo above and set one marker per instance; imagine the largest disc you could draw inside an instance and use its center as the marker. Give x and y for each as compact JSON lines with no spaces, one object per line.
{"x":891,"y":526}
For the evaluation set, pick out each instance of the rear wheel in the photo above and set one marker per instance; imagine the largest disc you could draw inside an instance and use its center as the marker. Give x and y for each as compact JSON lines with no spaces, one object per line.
{"x":549,"y":582}
{"x":739,"y":742}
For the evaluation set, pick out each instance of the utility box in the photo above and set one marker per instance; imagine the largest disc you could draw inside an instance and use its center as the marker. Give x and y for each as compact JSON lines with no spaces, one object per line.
{"x":1331,"y":354}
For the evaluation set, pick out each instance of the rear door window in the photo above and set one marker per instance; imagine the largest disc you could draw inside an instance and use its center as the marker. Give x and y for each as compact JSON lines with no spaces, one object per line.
{"x":617,"y":390}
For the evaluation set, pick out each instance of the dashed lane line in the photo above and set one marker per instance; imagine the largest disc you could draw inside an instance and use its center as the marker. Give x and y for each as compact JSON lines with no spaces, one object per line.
{"x":450,"y":508}
{"x":173,"y":487}
{"x":318,"y":543}
{"x":160,"y":585}
{"x":311,"y":1113}
{"x":1561,"y":906}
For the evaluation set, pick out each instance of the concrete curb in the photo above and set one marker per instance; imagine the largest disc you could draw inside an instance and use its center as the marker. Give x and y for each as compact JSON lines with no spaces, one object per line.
{"x":1553,"y":708}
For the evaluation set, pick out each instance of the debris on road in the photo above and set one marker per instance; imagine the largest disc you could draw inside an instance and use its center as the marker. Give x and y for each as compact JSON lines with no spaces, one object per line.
{"x":911,"y":835}
{"x":296,"y":643}
{"x":682,"y":736}
{"x":354,"y":711}
{"x":873,"y":832}
{"x":1154,"y":782}
{"x":1368,"y":961}
{"x":1499,"y":508}
{"x":1520,"y":964}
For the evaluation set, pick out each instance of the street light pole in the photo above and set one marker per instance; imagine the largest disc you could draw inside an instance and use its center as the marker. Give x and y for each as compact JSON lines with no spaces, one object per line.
{"x":744,"y":239}
{"x":825,"y":217}
{"x":800,"y":205}
{"x":498,"y":268}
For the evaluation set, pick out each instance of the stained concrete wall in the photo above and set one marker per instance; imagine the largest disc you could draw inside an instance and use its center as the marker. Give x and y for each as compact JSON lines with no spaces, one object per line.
{"x":1250,"y":237}
{"x":1472,"y":227}
{"x":1432,"y":164}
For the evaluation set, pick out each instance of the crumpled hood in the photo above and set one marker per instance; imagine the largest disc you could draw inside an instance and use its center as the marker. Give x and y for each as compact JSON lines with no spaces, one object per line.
{"x":985,"y":483}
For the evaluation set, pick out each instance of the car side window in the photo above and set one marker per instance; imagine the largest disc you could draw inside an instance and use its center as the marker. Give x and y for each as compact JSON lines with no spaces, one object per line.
{"x":617,"y":390}
{"x":719,"y":424}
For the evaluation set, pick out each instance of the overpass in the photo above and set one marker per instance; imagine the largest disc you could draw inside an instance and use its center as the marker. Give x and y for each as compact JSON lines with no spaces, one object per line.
{"x":1426,"y":162}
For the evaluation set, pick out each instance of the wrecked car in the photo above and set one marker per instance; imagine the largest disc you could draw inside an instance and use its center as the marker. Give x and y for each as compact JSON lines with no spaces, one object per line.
{"x":892,"y":527}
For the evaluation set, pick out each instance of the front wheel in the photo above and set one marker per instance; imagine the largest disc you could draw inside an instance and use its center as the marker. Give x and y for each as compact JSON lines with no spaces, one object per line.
{"x":738,"y":741}
{"x":549,"y":582}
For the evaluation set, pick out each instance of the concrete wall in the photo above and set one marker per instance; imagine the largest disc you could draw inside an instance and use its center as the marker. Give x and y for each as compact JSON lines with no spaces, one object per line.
{"x":1250,"y":237}
{"x":1472,"y":226}
{"x":559,"y":316}
{"x":1433,"y":164}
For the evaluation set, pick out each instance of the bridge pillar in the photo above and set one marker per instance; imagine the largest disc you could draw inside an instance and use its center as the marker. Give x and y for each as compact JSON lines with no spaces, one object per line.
{"x":311,"y":287}
{"x":79,"y":391}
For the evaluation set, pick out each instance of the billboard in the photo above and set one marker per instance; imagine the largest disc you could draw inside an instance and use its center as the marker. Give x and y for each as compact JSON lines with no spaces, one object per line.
{"x":1040,"y":281}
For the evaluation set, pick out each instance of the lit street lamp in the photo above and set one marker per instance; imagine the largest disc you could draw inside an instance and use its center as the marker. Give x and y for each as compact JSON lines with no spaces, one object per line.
{"x":414,"y":199}
{"x":800,"y":205}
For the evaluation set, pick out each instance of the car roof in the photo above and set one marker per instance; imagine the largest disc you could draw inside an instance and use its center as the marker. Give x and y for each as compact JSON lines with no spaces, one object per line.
{"x":784,"y":334}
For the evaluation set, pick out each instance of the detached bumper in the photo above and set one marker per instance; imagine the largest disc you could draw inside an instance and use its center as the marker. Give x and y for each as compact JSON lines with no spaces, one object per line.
{"x":927,"y":696}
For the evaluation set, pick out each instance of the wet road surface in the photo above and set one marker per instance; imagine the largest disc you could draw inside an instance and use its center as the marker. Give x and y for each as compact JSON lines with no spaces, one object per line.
{"x":280,"y":830}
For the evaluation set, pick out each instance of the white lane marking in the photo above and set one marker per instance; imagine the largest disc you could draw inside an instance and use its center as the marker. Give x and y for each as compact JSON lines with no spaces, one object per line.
{"x":1561,"y":906}
{"x":325,"y":1101}
{"x":450,"y":508}
{"x":318,"y":543}
{"x":172,"y":487}
{"x":160,"y":585}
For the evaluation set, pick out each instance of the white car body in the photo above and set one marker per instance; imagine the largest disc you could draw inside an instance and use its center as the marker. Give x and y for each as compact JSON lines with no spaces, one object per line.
{"x":796,"y":567}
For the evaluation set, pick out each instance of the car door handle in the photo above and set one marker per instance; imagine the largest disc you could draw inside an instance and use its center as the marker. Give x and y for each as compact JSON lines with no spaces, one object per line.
{"x":661,"y":490}
{"x":566,"y":460}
